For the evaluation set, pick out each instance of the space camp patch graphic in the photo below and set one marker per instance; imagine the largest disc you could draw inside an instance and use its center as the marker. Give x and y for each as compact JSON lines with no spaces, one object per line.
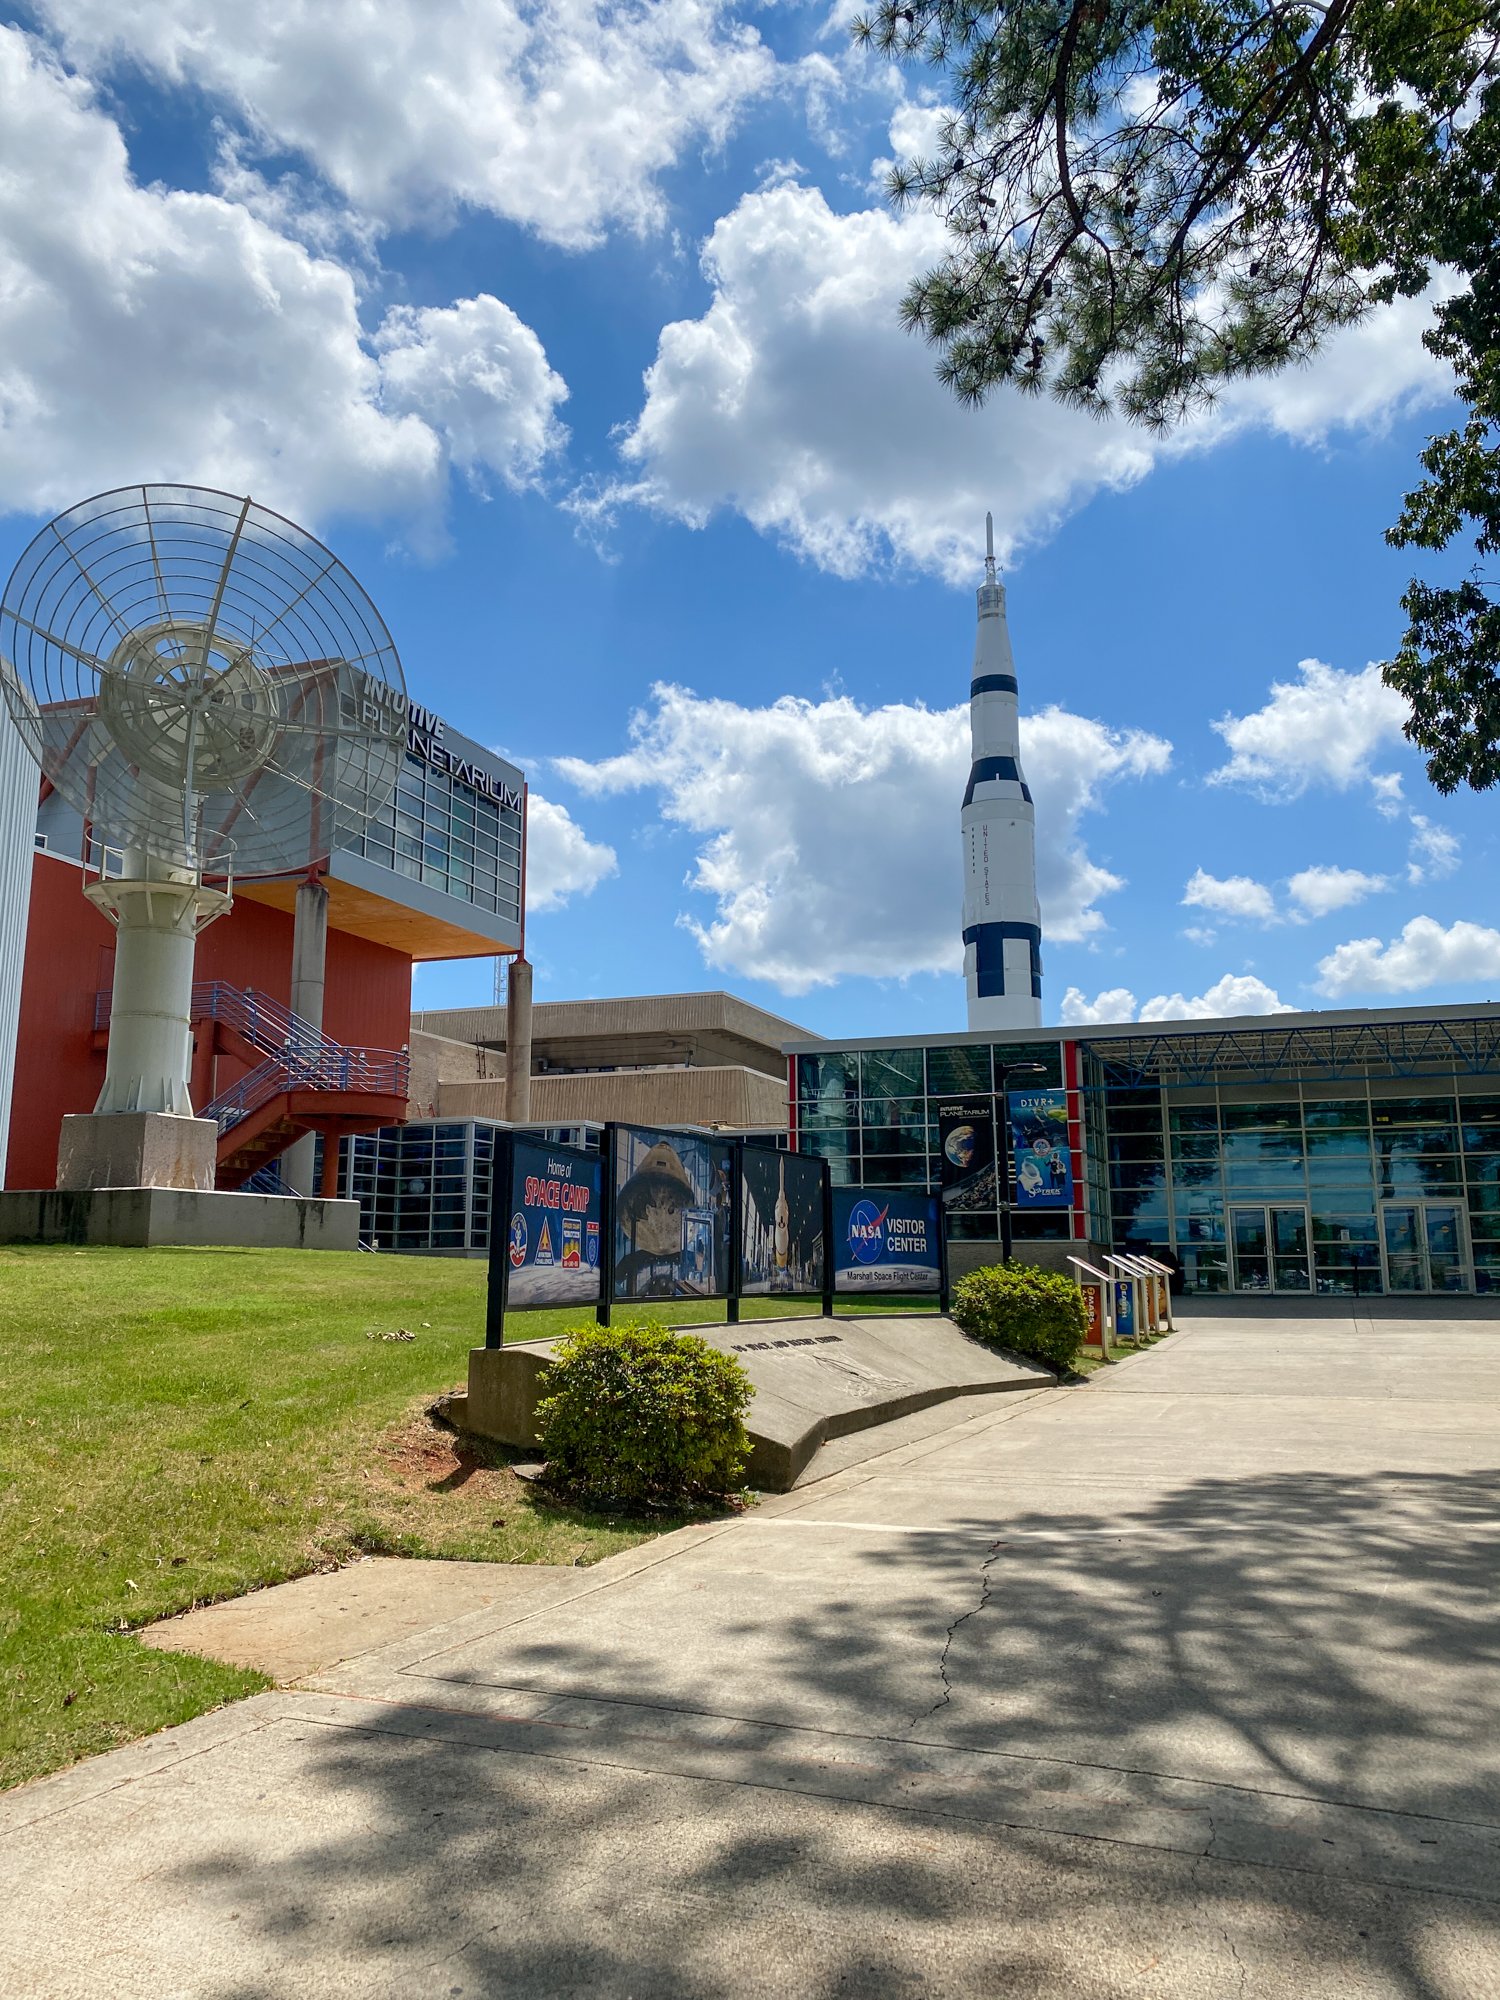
{"x":885,"y":1241}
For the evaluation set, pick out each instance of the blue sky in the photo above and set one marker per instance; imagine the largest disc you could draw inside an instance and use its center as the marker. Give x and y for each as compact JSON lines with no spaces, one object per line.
{"x":572,"y":330}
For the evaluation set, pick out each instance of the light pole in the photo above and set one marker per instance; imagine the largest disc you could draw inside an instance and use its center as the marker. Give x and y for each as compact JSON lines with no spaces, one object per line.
{"x":1003,"y":1074}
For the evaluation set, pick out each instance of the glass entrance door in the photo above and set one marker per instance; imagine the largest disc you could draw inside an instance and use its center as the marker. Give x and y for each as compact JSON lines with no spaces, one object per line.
{"x":1271,"y":1249}
{"x":1425,"y":1248}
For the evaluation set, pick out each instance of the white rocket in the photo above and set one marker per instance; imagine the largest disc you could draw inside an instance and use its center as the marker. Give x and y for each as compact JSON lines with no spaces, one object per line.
{"x":1002,"y":924}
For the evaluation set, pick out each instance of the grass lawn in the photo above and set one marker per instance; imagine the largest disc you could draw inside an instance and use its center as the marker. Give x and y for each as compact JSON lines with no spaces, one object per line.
{"x":178,"y":1426}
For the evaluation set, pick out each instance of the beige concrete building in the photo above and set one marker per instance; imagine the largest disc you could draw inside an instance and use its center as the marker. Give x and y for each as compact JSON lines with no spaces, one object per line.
{"x":658,"y":1059}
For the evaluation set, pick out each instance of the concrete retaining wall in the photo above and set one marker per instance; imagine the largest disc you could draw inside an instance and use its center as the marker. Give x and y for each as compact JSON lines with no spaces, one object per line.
{"x":148,"y":1218}
{"x":814,"y":1379}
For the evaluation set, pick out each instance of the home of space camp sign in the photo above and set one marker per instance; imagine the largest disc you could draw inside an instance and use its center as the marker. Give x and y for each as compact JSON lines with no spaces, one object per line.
{"x":553,"y":1251}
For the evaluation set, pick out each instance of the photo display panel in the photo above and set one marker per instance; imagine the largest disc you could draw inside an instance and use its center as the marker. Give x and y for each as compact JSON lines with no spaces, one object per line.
{"x":1039,"y":1138}
{"x":553,"y":1251}
{"x":673,"y":1195}
{"x":781,"y":1222}
{"x":884,"y":1241}
{"x":967,"y":1161}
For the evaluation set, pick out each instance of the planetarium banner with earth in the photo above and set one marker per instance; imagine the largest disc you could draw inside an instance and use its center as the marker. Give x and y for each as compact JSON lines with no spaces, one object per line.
{"x":673,"y":1193}
{"x":884,"y":1241}
{"x":781,"y":1225}
{"x":1039,"y":1136}
{"x":966,"y":1154}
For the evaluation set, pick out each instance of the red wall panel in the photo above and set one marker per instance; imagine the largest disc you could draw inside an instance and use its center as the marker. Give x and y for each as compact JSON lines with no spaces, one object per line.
{"x":69,"y":958}
{"x":69,"y":954}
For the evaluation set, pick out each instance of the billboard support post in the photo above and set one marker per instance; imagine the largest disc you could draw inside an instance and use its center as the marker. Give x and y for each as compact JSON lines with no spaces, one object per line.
{"x":736,"y":1231}
{"x":608,"y":1139}
{"x":499,"y":1267}
{"x":945,"y":1275}
{"x":829,"y":1260}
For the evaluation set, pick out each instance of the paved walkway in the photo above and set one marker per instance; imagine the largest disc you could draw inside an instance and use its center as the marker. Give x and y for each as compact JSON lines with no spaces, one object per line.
{"x":1184,"y":1683}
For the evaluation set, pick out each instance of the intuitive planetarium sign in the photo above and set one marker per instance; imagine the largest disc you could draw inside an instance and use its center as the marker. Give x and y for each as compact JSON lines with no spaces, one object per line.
{"x":426,"y":735}
{"x":424,"y":739}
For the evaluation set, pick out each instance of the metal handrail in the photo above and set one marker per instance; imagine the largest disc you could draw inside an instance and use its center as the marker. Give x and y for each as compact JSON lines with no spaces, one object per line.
{"x":297,"y":1055}
{"x":258,"y":1086}
{"x":350,"y":1071}
{"x":264,"y":1022}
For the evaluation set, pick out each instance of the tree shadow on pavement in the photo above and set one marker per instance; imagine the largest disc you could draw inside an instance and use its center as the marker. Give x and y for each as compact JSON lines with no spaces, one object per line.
{"x":940,"y":1762}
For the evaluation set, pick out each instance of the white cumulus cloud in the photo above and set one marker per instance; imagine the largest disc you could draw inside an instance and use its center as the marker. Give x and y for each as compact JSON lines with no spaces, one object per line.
{"x":559,"y":115}
{"x":1116,"y":1003}
{"x":1230,"y":896}
{"x":1425,"y":954}
{"x":1320,"y":890}
{"x":797,"y":400}
{"x":1387,"y":790}
{"x":1323,"y":728}
{"x":1433,"y":852}
{"x":561,"y":860}
{"x":146,"y":333}
{"x":479,"y":376}
{"x":827,"y":833}
{"x":1237,"y":993}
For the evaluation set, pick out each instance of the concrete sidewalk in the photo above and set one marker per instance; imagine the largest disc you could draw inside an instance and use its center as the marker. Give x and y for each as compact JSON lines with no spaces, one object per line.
{"x":1183,"y":1683}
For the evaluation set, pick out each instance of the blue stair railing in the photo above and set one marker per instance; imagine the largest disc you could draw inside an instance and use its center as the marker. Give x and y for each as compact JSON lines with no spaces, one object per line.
{"x":297,"y":1055}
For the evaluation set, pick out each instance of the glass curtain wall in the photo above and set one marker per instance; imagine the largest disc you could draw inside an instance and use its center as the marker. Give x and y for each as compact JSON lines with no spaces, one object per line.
{"x":422,"y":1188}
{"x":440,"y":831}
{"x":1328,"y":1187}
{"x":873,"y":1114}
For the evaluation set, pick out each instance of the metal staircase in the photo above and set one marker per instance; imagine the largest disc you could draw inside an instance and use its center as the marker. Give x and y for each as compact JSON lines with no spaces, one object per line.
{"x":305,"y":1082}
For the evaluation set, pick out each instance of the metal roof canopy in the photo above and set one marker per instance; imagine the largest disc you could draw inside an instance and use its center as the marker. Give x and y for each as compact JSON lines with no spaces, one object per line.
{"x":1263,"y":1052}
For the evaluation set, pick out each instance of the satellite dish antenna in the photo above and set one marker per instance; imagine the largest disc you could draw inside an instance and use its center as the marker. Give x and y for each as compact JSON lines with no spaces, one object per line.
{"x":215,"y":695}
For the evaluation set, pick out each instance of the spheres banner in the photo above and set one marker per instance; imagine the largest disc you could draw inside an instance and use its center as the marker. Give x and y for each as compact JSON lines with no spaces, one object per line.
{"x":552,"y":1248}
{"x":884,"y":1241}
{"x":781,"y":1222}
{"x":1044,"y":1161}
{"x":673,"y":1195}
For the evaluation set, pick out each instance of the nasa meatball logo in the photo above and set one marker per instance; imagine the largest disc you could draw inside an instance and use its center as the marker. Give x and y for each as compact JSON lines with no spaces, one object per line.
{"x":867,"y":1231}
{"x":517,"y":1240}
{"x":960,"y":1146}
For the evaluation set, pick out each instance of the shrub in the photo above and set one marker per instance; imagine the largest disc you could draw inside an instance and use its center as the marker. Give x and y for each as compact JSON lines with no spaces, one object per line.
{"x":1031,"y":1312}
{"x":637,"y":1414}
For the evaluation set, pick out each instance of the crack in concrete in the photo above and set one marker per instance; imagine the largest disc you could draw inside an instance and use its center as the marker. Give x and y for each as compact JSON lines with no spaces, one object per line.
{"x":1240,"y":1965}
{"x":986,"y":1584}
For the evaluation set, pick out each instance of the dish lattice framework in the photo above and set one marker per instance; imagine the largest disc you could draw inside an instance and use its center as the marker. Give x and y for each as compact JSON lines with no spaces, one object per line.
{"x":202,"y":679}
